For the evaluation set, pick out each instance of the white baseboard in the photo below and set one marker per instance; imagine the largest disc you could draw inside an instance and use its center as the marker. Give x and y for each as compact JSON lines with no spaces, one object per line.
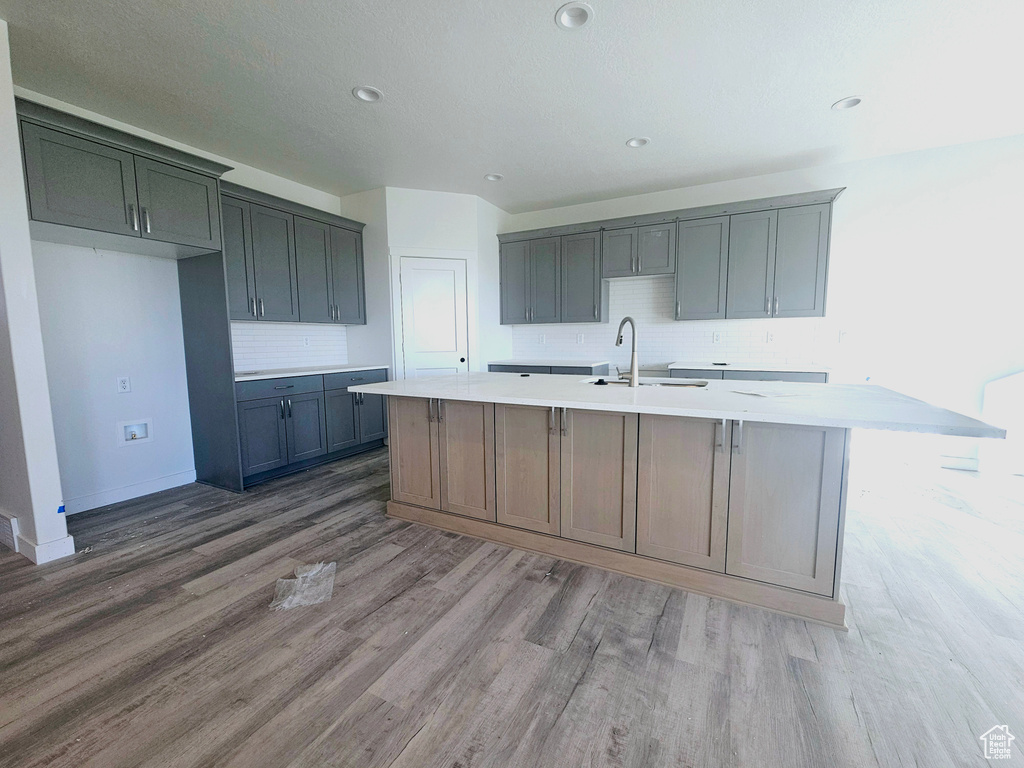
{"x":9,"y":531}
{"x":115,"y":495}
{"x":45,"y":553}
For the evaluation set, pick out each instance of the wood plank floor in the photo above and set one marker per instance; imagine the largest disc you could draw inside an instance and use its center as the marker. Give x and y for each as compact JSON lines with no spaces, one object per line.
{"x":155,"y":646}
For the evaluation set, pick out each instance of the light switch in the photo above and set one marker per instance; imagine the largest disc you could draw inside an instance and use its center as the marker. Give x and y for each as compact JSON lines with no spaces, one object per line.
{"x":124,"y":384}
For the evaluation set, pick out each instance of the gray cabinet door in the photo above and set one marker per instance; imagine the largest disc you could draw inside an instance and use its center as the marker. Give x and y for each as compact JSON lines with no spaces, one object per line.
{"x":514,"y":265}
{"x":703,"y":269}
{"x":307,"y":426}
{"x":493,"y":368}
{"x":656,"y":249}
{"x":177,"y":206}
{"x":618,"y":252}
{"x":695,"y":373}
{"x":342,"y":420}
{"x":751,"y":264}
{"x":263,"y":435}
{"x":241,"y":282}
{"x":581,"y":278}
{"x":79,"y":183}
{"x":347,"y":276}
{"x":273,"y":247}
{"x":373,"y":417}
{"x":313,"y":271}
{"x":801,"y":259}
{"x":545,"y":280}
{"x":819,"y":378}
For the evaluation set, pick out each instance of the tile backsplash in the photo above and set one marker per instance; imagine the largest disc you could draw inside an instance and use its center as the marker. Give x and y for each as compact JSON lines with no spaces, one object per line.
{"x":269,"y":346}
{"x":663,"y":340}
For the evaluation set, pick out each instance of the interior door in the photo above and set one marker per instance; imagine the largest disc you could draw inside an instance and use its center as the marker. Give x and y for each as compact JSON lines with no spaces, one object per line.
{"x":435,"y":338}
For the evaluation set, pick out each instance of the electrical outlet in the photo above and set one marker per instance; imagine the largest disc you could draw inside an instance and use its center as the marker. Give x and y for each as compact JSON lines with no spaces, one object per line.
{"x":579,"y":338}
{"x":716,"y":337}
{"x":769,"y":337}
{"x":124,"y":384}
{"x":540,"y":338}
{"x":305,"y":341}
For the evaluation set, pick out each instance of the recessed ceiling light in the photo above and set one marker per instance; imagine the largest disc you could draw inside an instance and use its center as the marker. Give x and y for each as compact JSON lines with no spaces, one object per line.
{"x":848,"y":103}
{"x":638,"y":141}
{"x":574,"y":15}
{"x":367,"y":93}
{"x":494,"y":177}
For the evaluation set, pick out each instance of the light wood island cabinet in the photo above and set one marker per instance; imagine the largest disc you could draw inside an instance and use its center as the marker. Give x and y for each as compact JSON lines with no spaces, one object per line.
{"x":528,"y":473}
{"x":465,"y":440}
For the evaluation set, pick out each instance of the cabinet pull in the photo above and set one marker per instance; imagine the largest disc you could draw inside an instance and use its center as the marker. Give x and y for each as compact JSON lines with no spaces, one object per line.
{"x":679,"y":309}
{"x":720,"y":435}
{"x":430,"y":409}
{"x":737,"y":438}
{"x":551,"y":421}
{"x":282,"y":386}
{"x":253,"y":301}
{"x":289,"y":407}
{"x":262,"y":313}
{"x":767,"y":306}
{"x":565,"y":421}
{"x":639,"y":264}
{"x":134,"y":216}
{"x":282,"y":409}
{"x":440,"y":410}
{"x":776,"y":313}
{"x":595,"y":311}
{"x":145,"y":220}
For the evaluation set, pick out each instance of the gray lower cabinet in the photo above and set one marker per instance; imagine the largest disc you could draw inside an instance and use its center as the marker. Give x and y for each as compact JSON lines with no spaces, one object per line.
{"x":569,"y":370}
{"x":263,"y":435}
{"x":90,"y":185}
{"x":273,"y":247}
{"x":373,"y":417}
{"x":307,"y":426}
{"x":342,"y":420}
{"x":581,"y":278}
{"x":694,"y":373}
{"x":702,"y":271}
{"x":819,"y":377}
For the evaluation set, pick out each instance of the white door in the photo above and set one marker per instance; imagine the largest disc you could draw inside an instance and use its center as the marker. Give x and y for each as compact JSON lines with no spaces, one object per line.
{"x":434,"y":316}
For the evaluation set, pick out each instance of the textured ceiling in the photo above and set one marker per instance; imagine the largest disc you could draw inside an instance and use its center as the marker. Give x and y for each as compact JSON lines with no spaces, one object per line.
{"x":724,"y":88}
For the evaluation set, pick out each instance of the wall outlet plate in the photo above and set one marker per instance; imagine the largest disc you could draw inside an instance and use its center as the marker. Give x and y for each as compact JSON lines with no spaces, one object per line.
{"x":124,"y":384}
{"x":769,"y":337}
{"x":540,"y":338}
{"x":305,"y":341}
{"x":579,"y":338}
{"x":716,"y":337}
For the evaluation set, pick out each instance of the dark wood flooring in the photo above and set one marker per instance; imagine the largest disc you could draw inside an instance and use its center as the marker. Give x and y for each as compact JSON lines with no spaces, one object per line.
{"x":155,"y":646}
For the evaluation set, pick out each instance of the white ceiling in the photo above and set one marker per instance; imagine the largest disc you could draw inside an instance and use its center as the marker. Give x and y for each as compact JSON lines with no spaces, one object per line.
{"x":724,"y":88}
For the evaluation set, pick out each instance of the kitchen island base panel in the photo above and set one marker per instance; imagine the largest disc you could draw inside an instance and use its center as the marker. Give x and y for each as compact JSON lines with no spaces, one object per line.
{"x":821,"y":610}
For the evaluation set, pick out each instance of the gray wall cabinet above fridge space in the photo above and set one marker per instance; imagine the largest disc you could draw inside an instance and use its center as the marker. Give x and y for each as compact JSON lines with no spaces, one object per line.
{"x":753,"y":259}
{"x":93,"y":186}
{"x":553,"y":280}
{"x":289,"y":263}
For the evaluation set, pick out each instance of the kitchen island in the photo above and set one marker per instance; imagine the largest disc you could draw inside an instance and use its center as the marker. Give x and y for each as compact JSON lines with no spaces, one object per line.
{"x":734,"y":489}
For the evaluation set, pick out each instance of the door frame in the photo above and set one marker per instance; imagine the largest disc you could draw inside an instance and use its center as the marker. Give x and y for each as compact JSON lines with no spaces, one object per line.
{"x":470,"y":258}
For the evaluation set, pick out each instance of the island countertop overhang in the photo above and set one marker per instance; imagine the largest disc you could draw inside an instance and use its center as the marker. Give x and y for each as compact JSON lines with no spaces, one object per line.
{"x":848,"y":406}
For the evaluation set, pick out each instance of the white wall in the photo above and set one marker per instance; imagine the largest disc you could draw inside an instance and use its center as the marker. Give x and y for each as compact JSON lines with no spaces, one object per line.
{"x":30,"y":488}
{"x":495,"y":339}
{"x":105,"y":315}
{"x":269,"y":346}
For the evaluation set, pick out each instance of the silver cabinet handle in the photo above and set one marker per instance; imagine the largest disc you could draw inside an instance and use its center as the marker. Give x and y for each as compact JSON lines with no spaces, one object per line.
{"x":595,"y":311}
{"x":262,"y":313}
{"x":134,"y":216}
{"x":253,"y":300}
{"x":145,"y":221}
{"x":639,"y":264}
{"x":565,"y":421}
{"x":551,"y":421}
{"x":289,"y":407}
{"x":776,"y":313}
{"x":282,"y":386}
{"x":282,"y":409}
{"x":679,"y":309}
{"x":440,"y":411}
{"x":768,"y":305}
{"x":430,"y":409}
{"x":737,"y":438}
{"x":720,"y":435}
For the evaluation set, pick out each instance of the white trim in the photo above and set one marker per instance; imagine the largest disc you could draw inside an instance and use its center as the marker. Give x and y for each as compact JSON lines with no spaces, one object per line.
{"x":115,"y":495}
{"x":9,"y":531}
{"x":45,"y":553}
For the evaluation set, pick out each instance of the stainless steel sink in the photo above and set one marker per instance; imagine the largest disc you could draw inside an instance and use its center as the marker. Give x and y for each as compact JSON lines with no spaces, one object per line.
{"x":662,"y":382}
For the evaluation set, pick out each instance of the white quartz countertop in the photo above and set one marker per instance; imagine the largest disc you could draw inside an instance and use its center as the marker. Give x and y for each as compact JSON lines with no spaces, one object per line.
{"x":559,"y":363}
{"x":828,"y":405}
{"x":282,"y":372}
{"x":772,"y":367}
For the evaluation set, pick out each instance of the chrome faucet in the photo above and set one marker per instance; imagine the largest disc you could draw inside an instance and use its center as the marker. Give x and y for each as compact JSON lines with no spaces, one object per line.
{"x":634,"y":365}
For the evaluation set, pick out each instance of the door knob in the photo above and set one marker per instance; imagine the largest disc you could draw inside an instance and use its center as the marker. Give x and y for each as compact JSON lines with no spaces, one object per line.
{"x":462,"y":359}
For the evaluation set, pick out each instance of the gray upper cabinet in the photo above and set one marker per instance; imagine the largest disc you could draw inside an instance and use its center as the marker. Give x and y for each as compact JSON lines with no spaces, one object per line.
{"x":79,"y":183}
{"x":238,"y":265}
{"x":656,"y":249}
{"x":619,"y":249}
{"x":801,"y":260}
{"x":545,"y":280}
{"x":313,"y":268}
{"x":703,"y":269}
{"x":273,"y":246}
{"x":347,"y":283}
{"x":176,"y":205}
{"x":751,"y":264}
{"x":581,"y":278}
{"x":514,"y":266}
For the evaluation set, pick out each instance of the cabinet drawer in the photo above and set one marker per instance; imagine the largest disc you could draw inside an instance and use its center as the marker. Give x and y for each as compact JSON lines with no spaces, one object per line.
{"x":694,"y":373}
{"x":518,"y":368}
{"x":292,"y":385}
{"x":819,"y":378}
{"x":350,"y":379}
